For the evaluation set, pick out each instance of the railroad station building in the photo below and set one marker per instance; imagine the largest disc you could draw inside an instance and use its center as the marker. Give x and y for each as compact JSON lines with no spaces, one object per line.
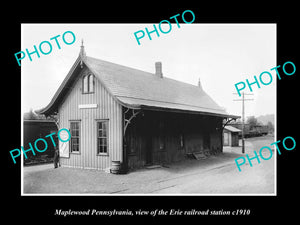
{"x":120,"y":114}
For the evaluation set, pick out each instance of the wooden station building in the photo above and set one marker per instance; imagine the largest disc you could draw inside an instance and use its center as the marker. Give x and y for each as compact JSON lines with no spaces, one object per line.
{"x":117,"y":113}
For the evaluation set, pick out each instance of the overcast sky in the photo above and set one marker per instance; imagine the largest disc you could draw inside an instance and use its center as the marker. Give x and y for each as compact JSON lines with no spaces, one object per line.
{"x":219,"y":54}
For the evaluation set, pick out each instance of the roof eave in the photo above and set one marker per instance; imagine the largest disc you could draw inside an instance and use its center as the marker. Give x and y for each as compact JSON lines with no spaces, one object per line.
{"x":146,"y":107}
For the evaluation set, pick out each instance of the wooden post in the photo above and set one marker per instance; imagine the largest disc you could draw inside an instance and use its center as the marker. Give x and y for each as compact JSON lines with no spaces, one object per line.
{"x":243,"y":118}
{"x":243,"y":124}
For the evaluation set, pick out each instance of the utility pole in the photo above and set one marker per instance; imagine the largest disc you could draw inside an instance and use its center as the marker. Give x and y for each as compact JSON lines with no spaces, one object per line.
{"x":243,"y":117}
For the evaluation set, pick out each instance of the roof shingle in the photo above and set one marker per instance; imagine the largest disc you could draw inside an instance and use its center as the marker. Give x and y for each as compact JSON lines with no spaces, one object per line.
{"x":137,"y":89}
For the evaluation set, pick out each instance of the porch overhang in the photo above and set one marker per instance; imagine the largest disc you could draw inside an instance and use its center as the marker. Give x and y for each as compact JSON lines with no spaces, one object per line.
{"x":222,"y":115}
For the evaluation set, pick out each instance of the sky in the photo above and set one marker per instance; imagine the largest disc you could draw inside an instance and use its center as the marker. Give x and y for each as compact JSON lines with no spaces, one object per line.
{"x":221,"y":55}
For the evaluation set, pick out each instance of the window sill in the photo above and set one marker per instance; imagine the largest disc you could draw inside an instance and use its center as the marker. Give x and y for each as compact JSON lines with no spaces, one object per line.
{"x":102,"y":154}
{"x":75,"y":153}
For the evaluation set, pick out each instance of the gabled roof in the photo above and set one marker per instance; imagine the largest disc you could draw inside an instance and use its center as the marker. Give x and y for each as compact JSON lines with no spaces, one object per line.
{"x":232,"y":129}
{"x":139,"y":89}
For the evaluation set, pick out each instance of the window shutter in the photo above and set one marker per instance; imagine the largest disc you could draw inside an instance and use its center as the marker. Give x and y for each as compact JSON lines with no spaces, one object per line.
{"x":64,"y":148}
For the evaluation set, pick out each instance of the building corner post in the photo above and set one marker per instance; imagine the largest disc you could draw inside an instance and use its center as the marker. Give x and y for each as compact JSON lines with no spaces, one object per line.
{"x":124,"y":166}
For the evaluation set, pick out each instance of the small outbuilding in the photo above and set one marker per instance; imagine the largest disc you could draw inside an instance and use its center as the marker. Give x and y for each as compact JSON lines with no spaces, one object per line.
{"x":231,"y":136}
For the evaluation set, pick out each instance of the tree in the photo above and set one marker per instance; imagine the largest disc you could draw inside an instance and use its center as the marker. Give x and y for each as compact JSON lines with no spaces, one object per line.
{"x":270,"y":127}
{"x":29,"y":115}
{"x":252,"y":121}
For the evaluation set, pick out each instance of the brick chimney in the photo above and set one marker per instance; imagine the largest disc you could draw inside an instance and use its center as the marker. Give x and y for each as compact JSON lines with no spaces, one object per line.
{"x":199,"y":84}
{"x":158,"y":69}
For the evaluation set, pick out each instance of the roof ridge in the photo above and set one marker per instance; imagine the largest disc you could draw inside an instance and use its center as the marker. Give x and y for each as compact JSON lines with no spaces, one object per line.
{"x":150,"y":73}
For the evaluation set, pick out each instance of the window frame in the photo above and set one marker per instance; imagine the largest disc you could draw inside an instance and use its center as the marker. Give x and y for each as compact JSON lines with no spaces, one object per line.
{"x":86,"y":78}
{"x":76,"y":137}
{"x":85,"y":85}
{"x":91,"y":76}
{"x":98,"y":153}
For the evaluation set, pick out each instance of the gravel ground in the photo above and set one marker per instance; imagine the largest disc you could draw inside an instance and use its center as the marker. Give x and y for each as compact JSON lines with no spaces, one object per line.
{"x":214,"y":175}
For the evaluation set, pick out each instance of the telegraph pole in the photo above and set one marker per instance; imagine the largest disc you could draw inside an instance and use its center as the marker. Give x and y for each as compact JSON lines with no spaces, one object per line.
{"x":243,"y":117}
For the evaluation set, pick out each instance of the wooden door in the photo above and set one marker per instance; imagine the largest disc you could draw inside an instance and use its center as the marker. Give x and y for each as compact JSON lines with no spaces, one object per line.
{"x":149,"y":149}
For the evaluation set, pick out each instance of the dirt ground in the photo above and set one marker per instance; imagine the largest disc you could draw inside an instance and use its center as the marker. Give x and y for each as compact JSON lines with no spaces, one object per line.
{"x":214,"y":175}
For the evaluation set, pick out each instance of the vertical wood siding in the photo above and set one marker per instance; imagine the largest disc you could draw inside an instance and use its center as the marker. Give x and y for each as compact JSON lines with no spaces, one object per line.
{"x":108,"y":109}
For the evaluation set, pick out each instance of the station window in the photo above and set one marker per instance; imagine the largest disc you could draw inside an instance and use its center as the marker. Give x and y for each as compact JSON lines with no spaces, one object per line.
{"x":75,"y":136}
{"x":102,"y":137}
{"x":88,"y":84}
